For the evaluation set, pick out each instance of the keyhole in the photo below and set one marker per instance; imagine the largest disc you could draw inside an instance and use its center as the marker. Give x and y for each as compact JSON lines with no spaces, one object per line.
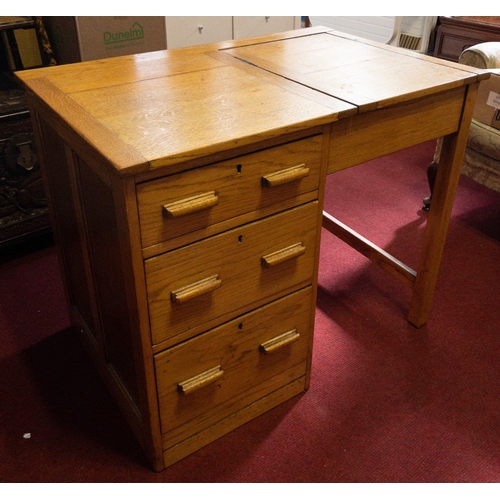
{"x":240,"y":238}
{"x":238,"y":168}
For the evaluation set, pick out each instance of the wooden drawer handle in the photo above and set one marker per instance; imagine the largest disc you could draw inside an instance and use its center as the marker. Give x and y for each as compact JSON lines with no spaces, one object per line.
{"x":291,"y":252}
{"x":287,"y":175}
{"x":279,"y":342}
{"x":201,"y":380}
{"x":196,"y":289}
{"x":190,"y":205}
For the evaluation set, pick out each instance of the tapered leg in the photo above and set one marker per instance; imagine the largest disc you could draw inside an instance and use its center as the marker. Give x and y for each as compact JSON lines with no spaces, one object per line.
{"x":443,"y":195}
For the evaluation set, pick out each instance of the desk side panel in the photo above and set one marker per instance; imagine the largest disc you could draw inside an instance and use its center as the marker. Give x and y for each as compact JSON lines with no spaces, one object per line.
{"x":56,"y":174}
{"x":95,"y":271}
{"x":107,"y":268}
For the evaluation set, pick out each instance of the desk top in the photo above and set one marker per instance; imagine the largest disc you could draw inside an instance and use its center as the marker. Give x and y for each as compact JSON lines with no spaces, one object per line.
{"x":153,"y":110}
{"x":365,"y":74}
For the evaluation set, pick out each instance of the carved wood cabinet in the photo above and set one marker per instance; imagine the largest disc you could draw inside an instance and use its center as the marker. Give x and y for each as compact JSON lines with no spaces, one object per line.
{"x":24,"y":210}
{"x":456,"y":33}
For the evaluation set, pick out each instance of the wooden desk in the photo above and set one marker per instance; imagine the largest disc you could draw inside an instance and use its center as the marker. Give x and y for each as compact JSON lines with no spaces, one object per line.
{"x":187,"y":187}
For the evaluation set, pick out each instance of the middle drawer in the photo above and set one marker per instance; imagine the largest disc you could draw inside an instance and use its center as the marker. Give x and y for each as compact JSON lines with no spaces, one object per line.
{"x":203,"y":284}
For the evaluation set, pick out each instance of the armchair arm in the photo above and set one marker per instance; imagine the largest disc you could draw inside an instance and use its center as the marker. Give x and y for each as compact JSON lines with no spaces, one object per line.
{"x":482,"y":55}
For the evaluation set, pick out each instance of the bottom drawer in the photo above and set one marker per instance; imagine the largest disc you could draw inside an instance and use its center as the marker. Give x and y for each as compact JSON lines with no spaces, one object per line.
{"x":215,"y":374}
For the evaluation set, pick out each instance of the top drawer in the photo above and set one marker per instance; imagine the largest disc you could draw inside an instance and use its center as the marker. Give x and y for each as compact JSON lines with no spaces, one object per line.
{"x":182,"y":203}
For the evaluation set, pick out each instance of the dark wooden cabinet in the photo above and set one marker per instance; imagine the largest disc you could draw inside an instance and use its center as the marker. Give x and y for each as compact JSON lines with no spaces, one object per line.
{"x":456,"y":33}
{"x":24,"y":210}
{"x":23,"y":205}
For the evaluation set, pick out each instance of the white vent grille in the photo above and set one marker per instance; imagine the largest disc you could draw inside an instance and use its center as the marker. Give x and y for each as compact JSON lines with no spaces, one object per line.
{"x":409,"y":41}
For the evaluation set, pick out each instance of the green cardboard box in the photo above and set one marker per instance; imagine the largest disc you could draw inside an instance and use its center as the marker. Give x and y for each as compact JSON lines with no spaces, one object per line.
{"x":85,"y":38}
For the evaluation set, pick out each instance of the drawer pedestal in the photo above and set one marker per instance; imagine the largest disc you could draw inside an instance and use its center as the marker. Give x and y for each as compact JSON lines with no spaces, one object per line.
{"x":199,"y":314}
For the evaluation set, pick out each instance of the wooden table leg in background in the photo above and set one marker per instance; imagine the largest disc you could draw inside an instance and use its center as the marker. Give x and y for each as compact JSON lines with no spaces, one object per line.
{"x":443,"y":195}
{"x":423,"y":279}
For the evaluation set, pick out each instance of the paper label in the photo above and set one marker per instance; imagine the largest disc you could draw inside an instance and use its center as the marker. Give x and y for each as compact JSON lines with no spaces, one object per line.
{"x":494,"y":100}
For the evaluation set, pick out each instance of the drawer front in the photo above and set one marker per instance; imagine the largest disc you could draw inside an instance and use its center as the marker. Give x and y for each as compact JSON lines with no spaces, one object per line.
{"x":223,"y":370}
{"x":203,"y":284}
{"x":185,"y":202}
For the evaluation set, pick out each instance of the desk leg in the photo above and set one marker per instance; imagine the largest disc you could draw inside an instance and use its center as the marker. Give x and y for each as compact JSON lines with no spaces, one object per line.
{"x":443,"y":195}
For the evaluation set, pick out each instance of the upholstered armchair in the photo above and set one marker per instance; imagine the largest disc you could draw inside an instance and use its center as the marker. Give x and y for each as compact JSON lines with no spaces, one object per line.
{"x":482,"y":154}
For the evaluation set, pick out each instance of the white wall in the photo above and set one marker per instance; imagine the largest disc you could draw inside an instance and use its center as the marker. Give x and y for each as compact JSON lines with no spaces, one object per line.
{"x":376,"y":28}
{"x":379,"y":28}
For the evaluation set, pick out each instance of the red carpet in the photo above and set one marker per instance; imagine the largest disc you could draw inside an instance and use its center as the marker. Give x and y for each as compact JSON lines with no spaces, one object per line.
{"x":387,"y":403}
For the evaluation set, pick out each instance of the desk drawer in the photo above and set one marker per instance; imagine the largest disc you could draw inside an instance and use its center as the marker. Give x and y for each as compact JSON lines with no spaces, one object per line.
{"x":185,"y":202}
{"x":203,"y":284}
{"x":215,"y":374}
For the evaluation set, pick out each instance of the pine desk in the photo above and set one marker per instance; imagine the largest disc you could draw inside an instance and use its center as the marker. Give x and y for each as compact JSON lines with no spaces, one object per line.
{"x":186,"y":191}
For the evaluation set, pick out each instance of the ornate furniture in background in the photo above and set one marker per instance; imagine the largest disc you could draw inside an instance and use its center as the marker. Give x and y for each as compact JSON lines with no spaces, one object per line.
{"x":482,"y":154}
{"x":23,"y":204}
{"x":456,"y":33}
